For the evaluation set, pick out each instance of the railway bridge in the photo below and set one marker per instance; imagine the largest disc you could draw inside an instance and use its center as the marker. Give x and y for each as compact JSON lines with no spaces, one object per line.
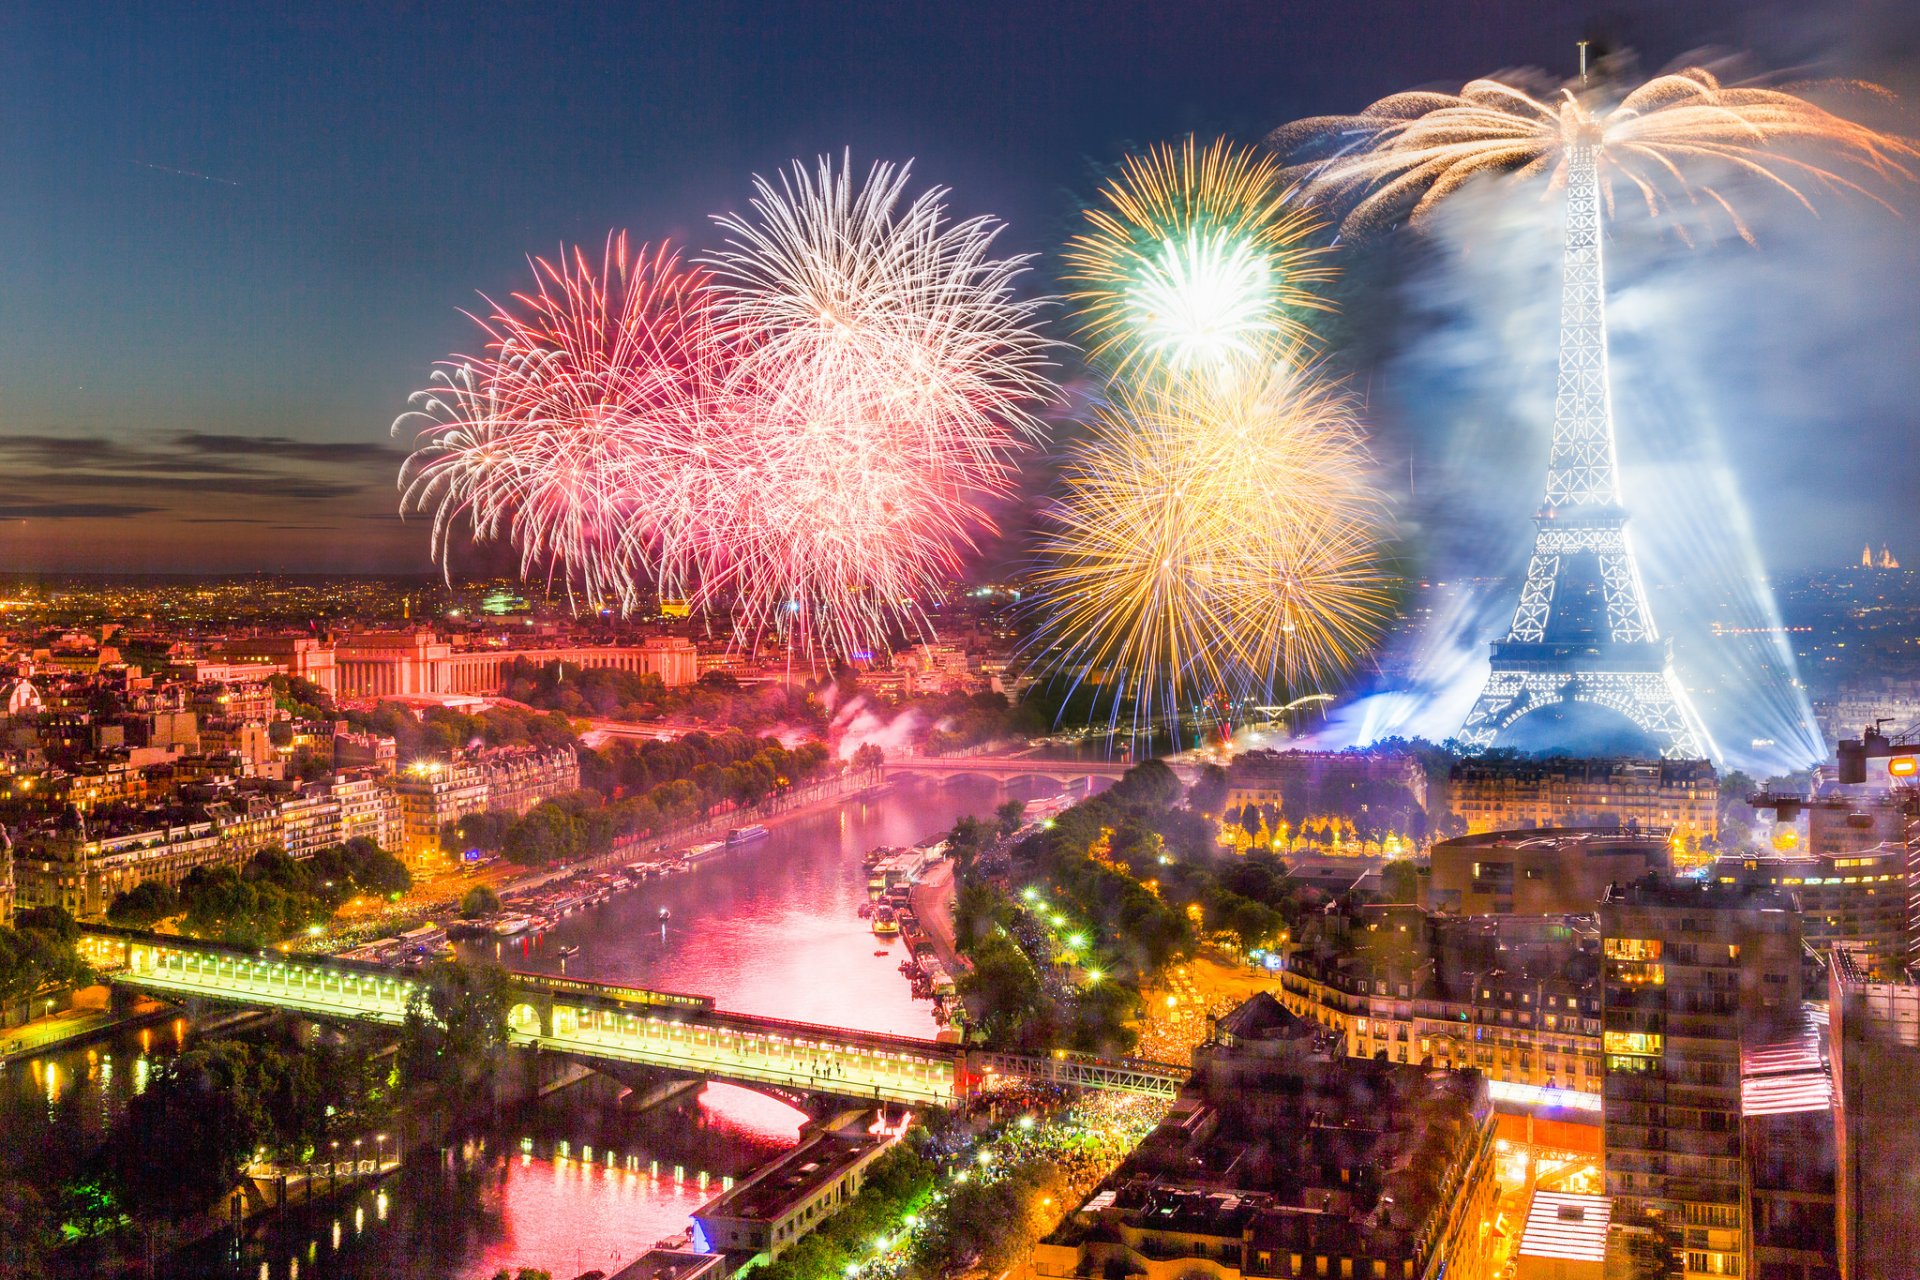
{"x":620,"y":1026}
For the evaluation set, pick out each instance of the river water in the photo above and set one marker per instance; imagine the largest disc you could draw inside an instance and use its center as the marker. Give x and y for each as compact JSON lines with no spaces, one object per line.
{"x":768,"y":928}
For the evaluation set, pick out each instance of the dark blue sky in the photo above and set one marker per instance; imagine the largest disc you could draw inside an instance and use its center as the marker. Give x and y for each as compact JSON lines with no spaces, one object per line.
{"x":235,"y":235}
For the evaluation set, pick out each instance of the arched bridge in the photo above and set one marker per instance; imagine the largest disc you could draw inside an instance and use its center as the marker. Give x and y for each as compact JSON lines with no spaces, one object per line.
{"x":604,"y":1022}
{"x":1019,"y":766}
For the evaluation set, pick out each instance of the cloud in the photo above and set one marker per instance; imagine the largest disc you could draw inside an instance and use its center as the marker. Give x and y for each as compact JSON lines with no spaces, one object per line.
{"x":340,"y":452}
{"x":184,"y":467}
{"x":73,"y":510}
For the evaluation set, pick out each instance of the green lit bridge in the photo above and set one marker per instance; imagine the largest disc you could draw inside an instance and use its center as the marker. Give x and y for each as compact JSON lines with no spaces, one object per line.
{"x":611,"y":1024}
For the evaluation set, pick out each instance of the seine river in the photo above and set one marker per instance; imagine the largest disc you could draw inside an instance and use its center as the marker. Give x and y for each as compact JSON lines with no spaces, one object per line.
{"x":770,"y":927}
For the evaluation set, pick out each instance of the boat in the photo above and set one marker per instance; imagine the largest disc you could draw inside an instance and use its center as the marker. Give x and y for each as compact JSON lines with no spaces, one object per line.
{"x":706,"y":850}
{"x":884,"y":923}
{"x":748,"y":834}
{"x":569,"y":951}
{"x":507,"y":926}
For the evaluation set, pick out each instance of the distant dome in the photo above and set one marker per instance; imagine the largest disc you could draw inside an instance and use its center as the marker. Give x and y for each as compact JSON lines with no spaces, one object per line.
{"x":20,"y":698}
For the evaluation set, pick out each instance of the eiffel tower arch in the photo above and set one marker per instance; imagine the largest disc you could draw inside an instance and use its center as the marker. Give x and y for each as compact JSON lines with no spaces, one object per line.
{"x":1582,"y":632}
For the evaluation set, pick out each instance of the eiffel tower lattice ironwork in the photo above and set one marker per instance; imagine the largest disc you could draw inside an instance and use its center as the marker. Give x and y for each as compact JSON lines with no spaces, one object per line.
{"x":1582,"y":632}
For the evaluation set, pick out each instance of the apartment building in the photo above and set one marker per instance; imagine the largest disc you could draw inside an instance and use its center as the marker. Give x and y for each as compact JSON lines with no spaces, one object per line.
{"x":1690,"y":969}
{"x":1557,"y":871}
{"x":1680,"y":797}
{"x":1515,"y":998}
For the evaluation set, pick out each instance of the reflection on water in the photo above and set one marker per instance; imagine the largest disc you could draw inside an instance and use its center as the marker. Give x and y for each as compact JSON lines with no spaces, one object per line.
{"x":571,"y":1187}
{"x":771,"y":928}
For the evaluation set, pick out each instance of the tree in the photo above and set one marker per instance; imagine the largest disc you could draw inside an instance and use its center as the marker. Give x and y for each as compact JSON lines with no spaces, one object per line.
{"x":1004,"y":997}
{"x":1400,"y":881}
{"x":455,"y":1021}
{"x":1208,"y":794}
{"x":26,"y":1232}
{"x":182,"y":1144}
{"x":1008,"y":816}
{"x":869,"y":758}
{"x":547,"y":834}
{"x":967,"y":839}
{"x":479,"y":901}
{"x":144,"y":905}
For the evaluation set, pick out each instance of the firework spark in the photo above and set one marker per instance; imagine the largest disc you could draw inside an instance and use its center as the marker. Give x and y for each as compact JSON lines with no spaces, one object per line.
{"x":883,"y":369}
{"x":1216,"y":536}
{"x":1194,"y":254}
{"x":1662,"y":141}
{"x":570,"y":436}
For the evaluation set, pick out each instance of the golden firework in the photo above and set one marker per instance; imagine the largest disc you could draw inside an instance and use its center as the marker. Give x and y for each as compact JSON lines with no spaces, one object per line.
{"x":1216,"y":536}
{"x":1665,"y":141}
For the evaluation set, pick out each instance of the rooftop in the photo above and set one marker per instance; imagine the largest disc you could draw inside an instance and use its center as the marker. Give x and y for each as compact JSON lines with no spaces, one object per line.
{"x":772,"y":1192}
{"x":1563,"y":1225}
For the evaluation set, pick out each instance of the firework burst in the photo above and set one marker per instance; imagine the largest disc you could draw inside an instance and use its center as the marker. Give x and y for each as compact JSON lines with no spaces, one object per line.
{"x":882,"y":371}
{"x":1216,"y":536}
{"x":1661,"y":141}
{"x":1194,"y":254}
{"x":571,"y":435}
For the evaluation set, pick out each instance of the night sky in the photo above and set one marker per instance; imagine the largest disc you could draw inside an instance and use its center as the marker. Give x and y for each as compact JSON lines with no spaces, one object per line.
{"x":236,"y":235}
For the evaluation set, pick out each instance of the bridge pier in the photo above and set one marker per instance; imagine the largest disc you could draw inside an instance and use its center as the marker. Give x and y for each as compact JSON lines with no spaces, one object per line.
{"x":122,"y":1001}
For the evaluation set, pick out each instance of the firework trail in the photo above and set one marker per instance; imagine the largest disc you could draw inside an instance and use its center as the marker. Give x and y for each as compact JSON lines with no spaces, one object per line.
{"x":570,"y":436}
{"x":882,"y":369}
{"x":1216,"y":536}
{"x":1659,"y":142}
{"x":1194,"y":253}
{"x":804,"y":431}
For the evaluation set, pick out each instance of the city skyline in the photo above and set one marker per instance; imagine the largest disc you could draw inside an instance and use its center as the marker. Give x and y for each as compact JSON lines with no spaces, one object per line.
{"x":215,"y":317}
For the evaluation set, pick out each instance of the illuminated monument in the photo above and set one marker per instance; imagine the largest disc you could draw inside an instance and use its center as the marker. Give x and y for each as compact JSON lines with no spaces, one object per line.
{"x":1582,"y":632}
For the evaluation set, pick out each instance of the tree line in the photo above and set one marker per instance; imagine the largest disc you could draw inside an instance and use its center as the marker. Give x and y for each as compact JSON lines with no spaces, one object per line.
{"x":270,"y":898}
{"x":640,"y":789}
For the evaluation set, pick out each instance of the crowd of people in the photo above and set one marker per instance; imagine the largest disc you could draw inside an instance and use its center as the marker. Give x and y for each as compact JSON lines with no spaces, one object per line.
{"x":1073,"y":1140}
{"x":1179,"y":1018}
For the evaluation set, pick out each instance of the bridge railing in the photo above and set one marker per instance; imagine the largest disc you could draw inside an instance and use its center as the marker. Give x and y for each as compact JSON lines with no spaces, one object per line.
{"x":1126,"y":1075}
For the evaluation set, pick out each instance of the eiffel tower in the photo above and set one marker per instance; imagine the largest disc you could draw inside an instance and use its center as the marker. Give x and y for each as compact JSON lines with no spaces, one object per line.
{"x":1582,"y":632}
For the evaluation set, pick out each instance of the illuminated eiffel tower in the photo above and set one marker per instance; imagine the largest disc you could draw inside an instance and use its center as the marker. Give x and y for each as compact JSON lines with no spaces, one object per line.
{"x":1582,"y":632}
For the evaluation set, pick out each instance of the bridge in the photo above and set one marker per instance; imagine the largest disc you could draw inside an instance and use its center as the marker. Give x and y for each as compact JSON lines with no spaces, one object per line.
{"x":612,"y":1024}
{"x":1004,"y":767}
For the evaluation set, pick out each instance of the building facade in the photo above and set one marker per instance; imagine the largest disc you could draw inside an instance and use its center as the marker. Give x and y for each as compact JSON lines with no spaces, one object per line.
{"x":518,"y":778}
{"x":777,"y":1205}
{"x":1516,"y":999}
{"x":433,"y":794}
{"x":1265,"y":777}
{"x":1690,"y":969}
{"x":1680,"y":797}
{"x":1855,"y":902}
{"x":1557,"y":871}
{"x":1874,"y":1038}
{"x":6,"y":878}
{"x":419,"y":664}
{"x":65,"y":868}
